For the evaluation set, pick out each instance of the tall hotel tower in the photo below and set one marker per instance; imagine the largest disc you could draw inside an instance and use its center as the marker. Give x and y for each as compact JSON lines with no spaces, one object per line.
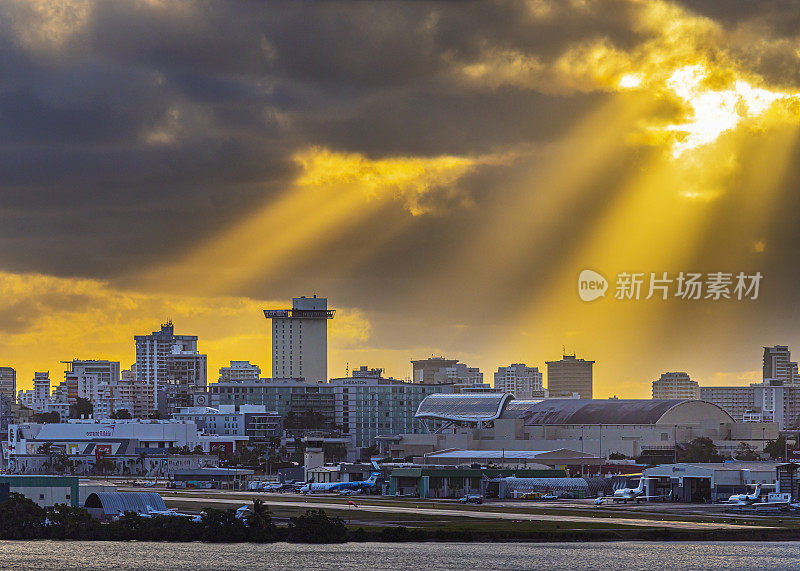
{"x":300,"y":339}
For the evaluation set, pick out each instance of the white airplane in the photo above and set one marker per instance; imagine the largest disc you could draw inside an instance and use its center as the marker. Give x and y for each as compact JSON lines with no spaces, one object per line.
{"x":341,"y":486}
{"x":627,"y":494}
{"x":746,"y":499}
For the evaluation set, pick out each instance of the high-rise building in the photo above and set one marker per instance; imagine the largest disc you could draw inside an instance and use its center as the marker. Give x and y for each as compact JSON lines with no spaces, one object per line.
{"x":8,"y":383}
{"x":186,"y":375}
{"x":83,"y":378}
{"x":735,"y":400}
{"x":424,"y":370}
{"x":239,"y":371}
{"x":152,"y":352}
{"x":522,"y":381}
{"x":777,"y":365}
{"x":41,"y":386}
{"x":300,"y":339}
{"x":568,"y":376}
{"x":676,"y":385}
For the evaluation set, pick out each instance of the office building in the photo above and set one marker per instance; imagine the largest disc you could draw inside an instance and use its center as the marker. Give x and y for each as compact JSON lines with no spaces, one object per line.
{"x":280,"y":395}
{"x":368,"y":407}
{"x":83,"y":378}
{"x":568,"y":376}
{"x":520,"y":380}
{"x":735,"y":400}
{"x":458,"y":373}
{"x":8,"y":383}
{"x":300,"y":339}
{"x":186,"y":376}
{"x":424,"y":370}
{"x":675,"y":386}
{"x":152,"y":352}
{"x":253,"y":421}
{"x":239,"y":371}
{"x":777,"y":365}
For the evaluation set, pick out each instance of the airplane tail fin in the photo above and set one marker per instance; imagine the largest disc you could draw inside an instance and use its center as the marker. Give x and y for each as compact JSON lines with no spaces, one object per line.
{"x":373,"y":477}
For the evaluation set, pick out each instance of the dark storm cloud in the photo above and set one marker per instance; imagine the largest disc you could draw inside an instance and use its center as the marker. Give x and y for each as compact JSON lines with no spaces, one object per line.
{"x":151,"y":127}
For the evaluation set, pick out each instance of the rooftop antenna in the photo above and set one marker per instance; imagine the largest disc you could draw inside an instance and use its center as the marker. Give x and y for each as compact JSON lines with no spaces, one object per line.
{"x":347,"y":369}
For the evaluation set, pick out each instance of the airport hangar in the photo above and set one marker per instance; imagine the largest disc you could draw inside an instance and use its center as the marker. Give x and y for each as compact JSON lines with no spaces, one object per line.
{"x":635,"y":428}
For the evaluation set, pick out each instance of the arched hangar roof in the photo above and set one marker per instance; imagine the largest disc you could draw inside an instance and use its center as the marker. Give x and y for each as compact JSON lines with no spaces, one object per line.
{"x":116,"y":503}
{"x":611,"y":411}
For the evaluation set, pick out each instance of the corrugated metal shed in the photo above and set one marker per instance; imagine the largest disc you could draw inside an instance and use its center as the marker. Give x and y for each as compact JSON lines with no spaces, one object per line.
{"x":117,"y":503}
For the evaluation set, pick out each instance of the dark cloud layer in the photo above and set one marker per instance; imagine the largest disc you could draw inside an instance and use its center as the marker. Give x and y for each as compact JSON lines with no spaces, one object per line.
{"x":151,"y":127}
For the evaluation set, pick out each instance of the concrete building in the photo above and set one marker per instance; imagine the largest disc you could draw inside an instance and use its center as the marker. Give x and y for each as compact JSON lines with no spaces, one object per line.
{"x":300,"y":339}
{"x":458,"y":374}
{"x":520,"y":380}
{"x":152,"y":352}
{"x":46,"y":491}
{"x":38,"y":397}
{"x":568,"y":376}
{"x":239,"y":371}
{"x":280,"y":395}
{"x":131,"y":446}
{"x":186,"y":376}
{"x":777,"y":365}
{"x":735,"y":400}
{"x":634,"y":428}
{"x":253,"y":421}
{"x":370,"y":407}
{"x":8,"y":383}
{"x":424,"y":370}
{"x":87,"y":376}
{"x":702,"y":483}
{"x":675,"y":386}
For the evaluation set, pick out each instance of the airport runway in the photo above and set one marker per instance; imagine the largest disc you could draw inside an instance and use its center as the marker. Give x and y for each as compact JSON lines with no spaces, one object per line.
{"x":514,"y":516}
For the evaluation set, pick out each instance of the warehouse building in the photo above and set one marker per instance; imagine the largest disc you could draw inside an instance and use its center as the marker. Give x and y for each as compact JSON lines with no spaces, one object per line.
{"x":707,"y":483}
{"x":633,"y":428}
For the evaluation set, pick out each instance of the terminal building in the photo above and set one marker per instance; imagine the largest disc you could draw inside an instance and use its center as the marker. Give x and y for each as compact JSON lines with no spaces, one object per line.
{"x":633,"y":428}
{"x":118,"y":446}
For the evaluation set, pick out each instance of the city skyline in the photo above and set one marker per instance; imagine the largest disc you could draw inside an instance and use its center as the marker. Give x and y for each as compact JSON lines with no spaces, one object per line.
{"x":442,"y":173}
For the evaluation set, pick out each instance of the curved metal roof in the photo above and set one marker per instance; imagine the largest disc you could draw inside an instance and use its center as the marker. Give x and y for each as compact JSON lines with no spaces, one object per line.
{"x":580,"y":411}
{"x":473,"y":407}
{"x":116,"y":503}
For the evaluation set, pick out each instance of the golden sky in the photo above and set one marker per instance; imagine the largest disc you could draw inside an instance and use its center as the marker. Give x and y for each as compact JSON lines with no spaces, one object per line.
{"x":441,"y":173}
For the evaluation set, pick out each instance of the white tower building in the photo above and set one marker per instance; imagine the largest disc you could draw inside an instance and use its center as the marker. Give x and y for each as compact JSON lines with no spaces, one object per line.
{"x":300,"y":339}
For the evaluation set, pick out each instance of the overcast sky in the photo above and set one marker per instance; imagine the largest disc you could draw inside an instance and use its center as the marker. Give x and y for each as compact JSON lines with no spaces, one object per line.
{"x":441,"y":171}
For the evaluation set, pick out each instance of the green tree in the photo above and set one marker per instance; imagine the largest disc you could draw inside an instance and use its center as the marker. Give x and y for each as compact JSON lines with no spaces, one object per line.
{"x":700,"y":449}
{"x":66,"y":522}
{"x":776,"y":448}
{"x":745,"y":452}
{"x":51,"y":417}
{"x":82,"y":407}
{"x":616,"y":456}
{"x":20,"y":518}
{"x":316,"y":527}
{"x":259,"y":522}
{"x":121,"y":414}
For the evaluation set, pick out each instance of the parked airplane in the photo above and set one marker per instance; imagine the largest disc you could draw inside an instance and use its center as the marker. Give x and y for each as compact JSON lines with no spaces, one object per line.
{"x":626,"y":494}
{"x":746,"y":499}
{"x":341,"y":486}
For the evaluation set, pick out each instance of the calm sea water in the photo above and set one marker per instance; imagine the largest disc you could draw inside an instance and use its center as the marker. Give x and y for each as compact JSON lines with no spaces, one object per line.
{"x":413,"y":556}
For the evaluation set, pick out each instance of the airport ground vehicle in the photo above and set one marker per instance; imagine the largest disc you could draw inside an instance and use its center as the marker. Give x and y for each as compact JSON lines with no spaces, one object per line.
{"x":471,"y":499}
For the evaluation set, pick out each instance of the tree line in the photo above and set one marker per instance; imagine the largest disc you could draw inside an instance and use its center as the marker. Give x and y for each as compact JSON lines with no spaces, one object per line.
{"x":23,"y":519}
